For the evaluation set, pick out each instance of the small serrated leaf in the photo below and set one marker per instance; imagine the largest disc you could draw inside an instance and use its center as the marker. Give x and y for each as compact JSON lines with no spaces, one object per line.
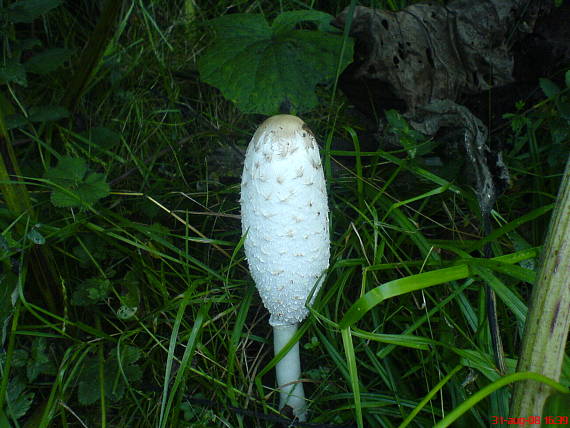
{"x":19,"y":401}
{"x":88,"y":391}
{"x":19,"y":358}
{"x":133,"y":373}
{"x":93,"y":188}
{"x":48,"y":60}
{"x":63,"y":198}
{"x":39,"y":361}
{"x":68,"y":170}
{"x":131,"y":354}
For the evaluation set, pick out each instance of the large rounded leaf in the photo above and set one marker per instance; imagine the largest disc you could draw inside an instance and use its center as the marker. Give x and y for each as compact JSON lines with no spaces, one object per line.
{"x":259,"y":67}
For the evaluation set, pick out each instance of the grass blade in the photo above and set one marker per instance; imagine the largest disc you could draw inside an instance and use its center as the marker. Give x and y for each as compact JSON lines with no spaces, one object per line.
{"x":353,"y":373}
{"x":399,"y":287}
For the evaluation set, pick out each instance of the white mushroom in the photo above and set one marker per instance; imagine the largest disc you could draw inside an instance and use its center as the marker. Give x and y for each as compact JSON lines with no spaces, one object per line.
{"x":284,"y":214}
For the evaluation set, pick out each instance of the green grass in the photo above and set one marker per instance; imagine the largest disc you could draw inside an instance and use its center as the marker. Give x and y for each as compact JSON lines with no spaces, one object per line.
{"x":398,"y":335}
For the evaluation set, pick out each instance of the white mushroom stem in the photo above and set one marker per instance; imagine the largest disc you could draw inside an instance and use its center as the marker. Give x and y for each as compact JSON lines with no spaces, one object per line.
{"x":288,"y":372}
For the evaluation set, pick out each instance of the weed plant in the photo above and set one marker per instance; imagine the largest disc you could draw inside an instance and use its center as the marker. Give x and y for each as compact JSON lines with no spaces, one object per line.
{"x":125,"y":298}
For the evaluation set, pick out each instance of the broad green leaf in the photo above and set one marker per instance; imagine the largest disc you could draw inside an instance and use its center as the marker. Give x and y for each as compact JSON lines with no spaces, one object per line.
{"x":26,"y":11}
{"x":47,"y":113}
{"x":25,"y":44}
{"x":288,"y":20}
{"x":74,"y":186}
{"x":13,"y":71}
{"x":47,"y":61}
{"x":567,"y":78}
{"x":549,"y":88}
{"x":396,"y":120}
{"x":37,"y":114}
{"x":261,"y":67}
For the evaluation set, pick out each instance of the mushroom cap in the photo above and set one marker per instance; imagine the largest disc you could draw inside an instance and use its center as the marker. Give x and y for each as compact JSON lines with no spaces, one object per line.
{"x":285,"y":216}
